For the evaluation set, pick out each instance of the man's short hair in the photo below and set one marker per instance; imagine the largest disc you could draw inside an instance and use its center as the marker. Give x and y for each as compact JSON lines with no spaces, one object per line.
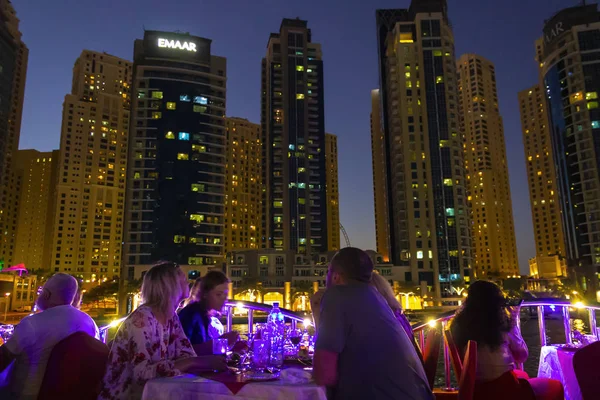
{"x":353,"y":264}
{"x":62,"y":288}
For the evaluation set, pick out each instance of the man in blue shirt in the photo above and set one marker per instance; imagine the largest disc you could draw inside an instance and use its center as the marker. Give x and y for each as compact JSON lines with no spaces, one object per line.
{"x":362,"y":351}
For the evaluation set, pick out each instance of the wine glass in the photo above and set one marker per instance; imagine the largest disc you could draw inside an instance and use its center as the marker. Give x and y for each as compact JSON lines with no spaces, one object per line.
{"x":295,"y":336}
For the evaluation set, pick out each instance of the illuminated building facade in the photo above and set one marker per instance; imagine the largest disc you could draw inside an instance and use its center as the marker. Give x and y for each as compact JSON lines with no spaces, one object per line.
{"x":176,"y":177}
{"x":243,"y":186}
{"x":293,"y":138}
{"x":382,"y":237}
{"x":90,"y":194}
{"x":425,"y":182}
{"x":13,"y":69}
{"x":333,"y":195}
{"x":37,"y":174}
{"x":488,"y":188}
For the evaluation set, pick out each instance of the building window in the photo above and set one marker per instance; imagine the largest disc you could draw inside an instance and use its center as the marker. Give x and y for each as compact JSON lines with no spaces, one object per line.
{"x":171,"y":105}
{"x":156,"y":115}
{"x":185,"y":97}
{"x":595,"y":124}
{"x":183,"y":156}
{"x":439,"y":79}
{"x":197,"y":217}
{"x":184,"y":136}
{"x":157,"y":95}
{"x":178,"y":239}
{"x":419,"y":255}
{"x":300,"y":68}
{"x":197,"y":187}
{"x":592,"y":104}
{"x":200,"y":100}
{"x":169,"y":135}
{"x":448,"y":182}
{"x":299,"y":96}
{"x":278,"y":204}
{"x":199,"y":109}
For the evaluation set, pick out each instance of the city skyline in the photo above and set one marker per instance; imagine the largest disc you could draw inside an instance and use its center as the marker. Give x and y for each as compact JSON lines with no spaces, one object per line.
{"x":356,"y":199}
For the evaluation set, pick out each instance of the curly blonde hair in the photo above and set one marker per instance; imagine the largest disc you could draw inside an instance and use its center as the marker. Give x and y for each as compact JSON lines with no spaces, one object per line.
{"x":162,"y":286}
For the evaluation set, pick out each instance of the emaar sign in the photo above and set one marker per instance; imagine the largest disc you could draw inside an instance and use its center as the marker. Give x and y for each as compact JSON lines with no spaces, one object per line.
{"x":176,"y":44}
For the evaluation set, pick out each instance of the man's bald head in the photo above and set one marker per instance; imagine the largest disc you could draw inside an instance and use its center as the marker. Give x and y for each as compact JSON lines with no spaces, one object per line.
{"x":59,"y":290}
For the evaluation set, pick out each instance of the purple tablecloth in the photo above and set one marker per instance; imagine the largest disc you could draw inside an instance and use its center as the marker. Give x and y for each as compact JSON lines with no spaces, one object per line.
{"x":557,"y":363}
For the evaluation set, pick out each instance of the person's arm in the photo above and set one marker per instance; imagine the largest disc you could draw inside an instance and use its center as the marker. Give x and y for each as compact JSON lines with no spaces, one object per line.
{"x":192,"y":325}
{"x":517,"y":345}
{"x":315,"y":306}
{"x":19,"y":341}
{"x":183,"y":347}
{"x":331,"y":338}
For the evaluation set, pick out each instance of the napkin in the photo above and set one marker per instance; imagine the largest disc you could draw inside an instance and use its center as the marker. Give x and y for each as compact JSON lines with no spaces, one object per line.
{"x":295,"y":376}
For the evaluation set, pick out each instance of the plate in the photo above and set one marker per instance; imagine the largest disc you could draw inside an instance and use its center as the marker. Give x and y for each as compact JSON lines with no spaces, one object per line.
{"x":260,"y":376}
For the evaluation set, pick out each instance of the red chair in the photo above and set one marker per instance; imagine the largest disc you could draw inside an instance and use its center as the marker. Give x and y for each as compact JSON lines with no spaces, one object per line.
{"x":431,"y":354}
{"x":585,"y":364}
{"x":455,"y":356}
{"x":75,"y":369}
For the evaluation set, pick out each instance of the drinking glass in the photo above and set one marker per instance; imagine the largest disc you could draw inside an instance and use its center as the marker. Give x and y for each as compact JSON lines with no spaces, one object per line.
{"x":220,"y":346}
{"x":295,"y":336}
{"x":260,"y":355}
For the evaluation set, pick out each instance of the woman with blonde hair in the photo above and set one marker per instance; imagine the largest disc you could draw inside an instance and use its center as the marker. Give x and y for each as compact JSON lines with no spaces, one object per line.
{"x":151,"y":343}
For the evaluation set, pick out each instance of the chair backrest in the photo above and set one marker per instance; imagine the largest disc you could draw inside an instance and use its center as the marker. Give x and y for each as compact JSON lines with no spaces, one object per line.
{"x":431,"y":354}
{"x":466,"y":383}
{"x":454,"y":354}
{"x":75,"y":369}
{"x":585,"y":364}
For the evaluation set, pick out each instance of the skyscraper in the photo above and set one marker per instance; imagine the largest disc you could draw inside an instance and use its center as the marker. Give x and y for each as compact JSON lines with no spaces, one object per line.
{"x":382,"y":237}
{"x":88,"y":217}
{"x":427,"y":208}
{"x":176,"y":175}
{"x":293,"y":138}
{"x":13,"y":69}
{"x":243,"y":186}
{"x":493,"y":233}
{"x":541,"y":175}
{"x":571,"y":73}
{"x":333,"y":195}
{"x":37,"y":174}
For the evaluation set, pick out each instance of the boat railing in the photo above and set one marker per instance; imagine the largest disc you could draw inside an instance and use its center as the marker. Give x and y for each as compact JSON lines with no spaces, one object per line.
{"x":443,"y":319}
{"x":230,"y":305}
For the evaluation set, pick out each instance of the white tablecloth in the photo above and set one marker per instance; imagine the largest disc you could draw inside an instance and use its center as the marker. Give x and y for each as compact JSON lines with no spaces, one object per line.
{"x":190,"y":387}
{"x":560,"y":367}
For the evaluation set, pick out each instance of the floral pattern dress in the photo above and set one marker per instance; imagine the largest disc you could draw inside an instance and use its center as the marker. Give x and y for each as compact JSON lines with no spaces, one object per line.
{"x":143,"y":349}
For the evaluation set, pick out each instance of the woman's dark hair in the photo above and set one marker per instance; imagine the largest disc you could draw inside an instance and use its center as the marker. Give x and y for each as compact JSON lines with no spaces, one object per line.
{"x":483,"y":317}
{"x":203,"y":285}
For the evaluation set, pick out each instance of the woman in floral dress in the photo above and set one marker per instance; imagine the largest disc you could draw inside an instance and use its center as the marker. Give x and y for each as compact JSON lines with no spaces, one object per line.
{"x":150,"y":343}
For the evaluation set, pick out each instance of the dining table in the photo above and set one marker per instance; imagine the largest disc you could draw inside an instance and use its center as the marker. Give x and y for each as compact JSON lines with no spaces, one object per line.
{"x":293,"y":383}
{"x":556,"y":362}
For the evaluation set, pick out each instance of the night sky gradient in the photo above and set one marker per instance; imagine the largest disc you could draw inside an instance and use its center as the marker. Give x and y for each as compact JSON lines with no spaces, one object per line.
{"x":503,"y":31}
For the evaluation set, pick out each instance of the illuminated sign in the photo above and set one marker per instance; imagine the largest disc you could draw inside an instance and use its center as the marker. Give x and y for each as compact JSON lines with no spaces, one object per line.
{"x":176,"y":44}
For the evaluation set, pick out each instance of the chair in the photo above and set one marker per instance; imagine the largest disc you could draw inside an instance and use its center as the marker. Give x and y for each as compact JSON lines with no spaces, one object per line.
{"x":585,"y":364}
{"x":75,"y":369}
{"x":431,"y":353}
{"x":454,"y":354}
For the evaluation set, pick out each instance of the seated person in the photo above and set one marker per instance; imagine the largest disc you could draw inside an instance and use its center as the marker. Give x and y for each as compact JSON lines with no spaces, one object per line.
{"x":150,"y":342}
{"x":199,"y":316}
{"x":36,"y":335}
{"x":362,"y":351}
{"x":486,"y":319}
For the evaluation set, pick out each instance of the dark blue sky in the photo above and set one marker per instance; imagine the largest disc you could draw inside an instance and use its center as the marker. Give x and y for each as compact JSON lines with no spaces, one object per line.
{"x":502,"y":31}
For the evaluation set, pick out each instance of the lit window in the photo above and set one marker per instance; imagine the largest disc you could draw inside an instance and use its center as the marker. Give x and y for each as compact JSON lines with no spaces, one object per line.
{"x":216,"y":240}
{"x":171,"y":105}
{"x":277,"y":219}
{"x":300,"y":68}
{"x":406,"y":37}
{"x":419,"y":255}
{"x":184,"y":136}
{"x":309,"y":70}
{"x":199,"y":109}
{"x":185,"y":97}
{"x":200,"y":100}
{"x":591,"y":95}
{"x":195,"y":261}
{"x":448,"y":182}
{"x":157,"y":95}
{"x":299,"y":96}
{"x":198,"y":148}
{"x":196,"y":217}
{"x":437,"y":53}
{"x":183,"y":156}
{"x":302,"y":240}
{"x":408,"y":84}
{"x":575,"y":97}
{"x":439,"y":79}
{"x":169,"y":135}
{"x":292,"y":147}
{"x":197,"y":187}
{"x":407,"y":75}
{"x":431,"y":254}
{"x":592,"y":104}
{"x":178,"y":239}
{"x":450,"y":212}
{"x":156,"y":115}
{"x":301,"y":200}
{"x":302,"y":169}
{"x":595,"y":124}
{"x":301,"y":185}
{"x":278,"y":204}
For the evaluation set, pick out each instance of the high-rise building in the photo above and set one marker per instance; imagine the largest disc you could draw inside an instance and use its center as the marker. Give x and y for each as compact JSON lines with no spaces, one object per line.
{"x":243,"y":186}
{"x":488,"y":188}
{"x":177,"y":156}
{"x":37,"y":174}
{"x":333,"y":195}
{"x":13,"y":69}
{"x":570,"y":69}
{"x":541,"y":175}
{"x":88,"y":217}
{"x":293,"y":138}
{"x":425,"y":184}
{"x":382,"y":237}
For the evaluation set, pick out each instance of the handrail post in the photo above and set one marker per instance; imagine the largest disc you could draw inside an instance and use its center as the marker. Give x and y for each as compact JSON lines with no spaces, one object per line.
{"x":446,"y":359}
{"x":593,"y":327}
{"x":294,"y":324}
{"x":567,"y":325}
{"x":541,"y":325}
{"x":519,"y":365}
{"x":422,"y":339}
{"x":250,"y":321}
{"x":229,"y":318}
